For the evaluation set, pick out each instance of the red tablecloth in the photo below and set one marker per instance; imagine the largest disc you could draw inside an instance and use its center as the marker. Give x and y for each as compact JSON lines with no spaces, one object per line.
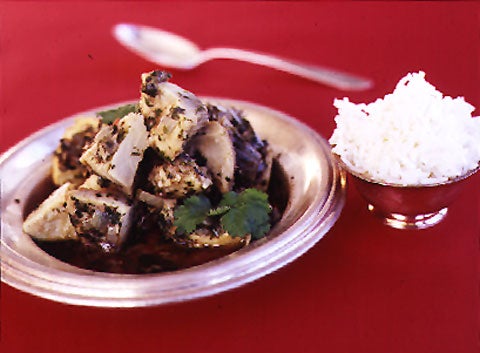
{"x":364,"y":288}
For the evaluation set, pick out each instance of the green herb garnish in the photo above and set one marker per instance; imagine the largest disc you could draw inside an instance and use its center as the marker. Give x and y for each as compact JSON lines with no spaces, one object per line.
{"x":109,"y":116}
{"x":193,"y":212}
{"x":240,"y":213}
{"x":248,"y":213}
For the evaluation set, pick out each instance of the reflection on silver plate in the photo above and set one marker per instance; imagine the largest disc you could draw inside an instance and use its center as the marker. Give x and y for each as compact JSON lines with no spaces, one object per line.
{"x":317,"y":193}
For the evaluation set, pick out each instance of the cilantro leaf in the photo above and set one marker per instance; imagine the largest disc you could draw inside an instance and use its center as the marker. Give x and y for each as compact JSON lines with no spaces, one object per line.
{"x":193,"y":212}
{"x":109,"y":116}
{"x":240,"y":213}
{"x":229,"y":199}
{"x":249,"y":213}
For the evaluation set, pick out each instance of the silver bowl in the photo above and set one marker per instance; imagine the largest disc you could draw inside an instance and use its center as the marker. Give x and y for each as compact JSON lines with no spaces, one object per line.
{"x":409,"y":206}
{"x":316,"y":198}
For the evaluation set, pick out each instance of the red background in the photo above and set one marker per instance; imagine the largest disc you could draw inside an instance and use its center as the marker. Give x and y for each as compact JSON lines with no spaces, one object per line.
{"x":363,"y":288}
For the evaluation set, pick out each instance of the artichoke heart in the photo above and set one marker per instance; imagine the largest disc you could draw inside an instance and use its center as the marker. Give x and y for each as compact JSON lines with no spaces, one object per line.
{"x":179,"y":178}
{"x":216,"y":146}
{"x":65,"y":164}
{"x":172,"y":114}
{"x":100,"y":216}
{"x":50,"y":221}
{"x":235,"y":156}
{"x":117,"y":150}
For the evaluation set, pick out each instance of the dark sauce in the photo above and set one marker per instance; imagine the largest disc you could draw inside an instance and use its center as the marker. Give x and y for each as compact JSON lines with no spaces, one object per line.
{"x":148,"y":252}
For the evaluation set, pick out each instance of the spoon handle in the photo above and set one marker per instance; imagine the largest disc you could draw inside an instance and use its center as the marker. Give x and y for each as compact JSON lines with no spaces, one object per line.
{"x":327,"y":76}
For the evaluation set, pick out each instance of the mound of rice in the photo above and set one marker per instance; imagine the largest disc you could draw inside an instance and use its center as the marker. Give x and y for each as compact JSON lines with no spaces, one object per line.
{"x":411,"y":136}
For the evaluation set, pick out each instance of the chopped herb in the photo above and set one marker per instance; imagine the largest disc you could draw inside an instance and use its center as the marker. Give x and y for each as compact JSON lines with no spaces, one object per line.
{"x":135,"y":151}
{"x":150,"y":122}
{"x":175,"y":112}
{"x":109,"y":116}
{"x":112,"y":214}
{"x":150,"y":89}
{"x":121,"y":135}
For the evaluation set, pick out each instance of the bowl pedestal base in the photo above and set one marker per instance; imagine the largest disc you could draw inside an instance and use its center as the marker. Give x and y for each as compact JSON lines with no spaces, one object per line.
{"x":400,"y":221}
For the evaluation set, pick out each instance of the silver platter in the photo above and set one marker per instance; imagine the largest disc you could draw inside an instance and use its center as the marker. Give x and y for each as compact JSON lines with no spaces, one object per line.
{"x":317,"y":194}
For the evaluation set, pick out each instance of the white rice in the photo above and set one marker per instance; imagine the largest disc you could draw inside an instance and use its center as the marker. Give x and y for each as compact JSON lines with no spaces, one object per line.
{"x":411,"y":136}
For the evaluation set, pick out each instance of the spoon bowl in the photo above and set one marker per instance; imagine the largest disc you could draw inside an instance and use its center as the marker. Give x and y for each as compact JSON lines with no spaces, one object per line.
{"x":171,"y":50}
{"x":162,"y":47}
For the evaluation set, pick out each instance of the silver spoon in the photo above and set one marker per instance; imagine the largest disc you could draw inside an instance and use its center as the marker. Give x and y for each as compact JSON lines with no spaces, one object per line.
{"x":170,"y":50}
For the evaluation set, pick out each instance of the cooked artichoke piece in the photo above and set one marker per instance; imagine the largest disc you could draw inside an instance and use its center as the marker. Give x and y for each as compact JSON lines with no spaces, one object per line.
{"x":163,"y":205}
{"x":235,"y":156}
{"x":50,"y":221}
{"x":159,"y":204}
{"x":157,"y":208}
{"x":117,"y":150}
{"x":207,"y":238}
{"x":100,"y":216}
{"x":150,"y":199}
{"x":179,"y":178}
{"x":167,"y":210}
{"x":94,"y":182}
{"x":253,"y":158}
{"x":66,"y":166}
{"x":214,"y":143}
{"x":172,"y":114}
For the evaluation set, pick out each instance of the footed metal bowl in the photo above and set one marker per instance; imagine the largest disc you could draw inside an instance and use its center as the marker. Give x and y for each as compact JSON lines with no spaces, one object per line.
{"x":316,"y":197}
{"x":409,"y":206}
